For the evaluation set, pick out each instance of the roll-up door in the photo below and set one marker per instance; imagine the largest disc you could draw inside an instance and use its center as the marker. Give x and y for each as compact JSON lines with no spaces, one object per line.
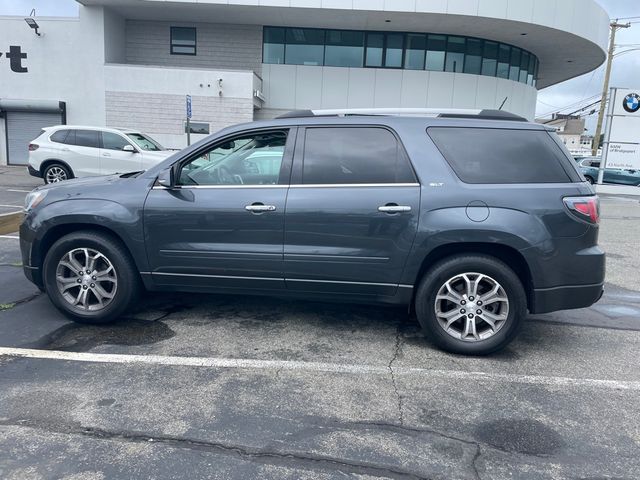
{"x":22,"y":128}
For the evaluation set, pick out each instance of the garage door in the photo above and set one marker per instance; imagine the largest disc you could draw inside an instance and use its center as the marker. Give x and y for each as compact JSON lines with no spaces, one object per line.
{"x":22,"y":127}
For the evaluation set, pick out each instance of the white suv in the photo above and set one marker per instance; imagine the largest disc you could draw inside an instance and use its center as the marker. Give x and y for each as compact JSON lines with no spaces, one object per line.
{"x":64,"y":152}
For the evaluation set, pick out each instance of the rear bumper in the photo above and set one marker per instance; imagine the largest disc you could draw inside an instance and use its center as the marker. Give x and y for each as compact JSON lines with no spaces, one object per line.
{"x":33,"y":172}
{"x":567,"y":297}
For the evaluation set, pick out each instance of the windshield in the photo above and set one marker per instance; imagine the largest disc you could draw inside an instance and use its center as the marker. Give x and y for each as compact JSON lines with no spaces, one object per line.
{"x":145,"y":142}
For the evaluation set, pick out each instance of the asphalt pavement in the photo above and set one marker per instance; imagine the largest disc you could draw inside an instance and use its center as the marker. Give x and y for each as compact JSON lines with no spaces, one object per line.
{"x":205,"y":386}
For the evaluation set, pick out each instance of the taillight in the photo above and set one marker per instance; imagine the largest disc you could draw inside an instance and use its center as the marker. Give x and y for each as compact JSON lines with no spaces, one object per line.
{"x":33,"y":147}
{"x":584,"y":208}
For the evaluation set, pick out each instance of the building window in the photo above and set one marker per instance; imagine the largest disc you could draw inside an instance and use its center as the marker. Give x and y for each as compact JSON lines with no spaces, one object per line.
{"x":436,"y":50}
{"x":455,"y":54}
{"x":304,"y":46}
{"x":344,"y":49}
{"x":415,"y":53}
{"x":411,"y":51}
{"x":183,"y":41}
{"x":375,"y":49}
{"x":394,"y":50}
{"x":273,"y":50}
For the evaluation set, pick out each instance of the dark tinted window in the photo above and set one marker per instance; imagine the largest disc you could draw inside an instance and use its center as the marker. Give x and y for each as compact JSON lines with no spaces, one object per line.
{"x":484,"y":155}
{"x":183,"y":41}
{"x":354,"y":155}
{"x":111,"y":141}
{"x":305,"y":46}
{"x":60,"y":136}
{"x":375,"y":47}
{"x":87,"y":138}
{"x":344,"y":48}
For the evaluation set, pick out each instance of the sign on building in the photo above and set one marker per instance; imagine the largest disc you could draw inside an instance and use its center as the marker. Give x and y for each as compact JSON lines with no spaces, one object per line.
{"x":623,"y":134}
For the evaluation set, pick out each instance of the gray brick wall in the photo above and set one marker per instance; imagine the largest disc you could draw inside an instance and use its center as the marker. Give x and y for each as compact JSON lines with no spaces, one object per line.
{"x":219,"y":46}
{"x":159,"y":113}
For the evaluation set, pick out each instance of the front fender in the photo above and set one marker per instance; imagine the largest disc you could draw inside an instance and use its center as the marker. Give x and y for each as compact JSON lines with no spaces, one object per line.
{"x":70,"y":214}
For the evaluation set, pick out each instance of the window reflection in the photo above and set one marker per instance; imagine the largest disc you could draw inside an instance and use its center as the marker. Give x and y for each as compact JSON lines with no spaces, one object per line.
{"x":412,"y":51}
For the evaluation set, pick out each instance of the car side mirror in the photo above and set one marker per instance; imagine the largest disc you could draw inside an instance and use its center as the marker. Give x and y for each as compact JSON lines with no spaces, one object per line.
{"x":129,"y":148}
{"x":166,"y":178}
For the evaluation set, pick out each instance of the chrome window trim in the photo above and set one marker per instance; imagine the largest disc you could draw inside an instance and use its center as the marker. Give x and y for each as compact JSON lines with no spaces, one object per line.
{"x":165,"y":274}
{"x":319,"y":185}
{"x":354,"y":185}
{"x":217,"y":187}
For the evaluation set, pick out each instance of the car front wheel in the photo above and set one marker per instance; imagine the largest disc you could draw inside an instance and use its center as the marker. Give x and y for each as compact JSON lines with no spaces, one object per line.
{"x":471,"y":304}
{"x":90,"y":277}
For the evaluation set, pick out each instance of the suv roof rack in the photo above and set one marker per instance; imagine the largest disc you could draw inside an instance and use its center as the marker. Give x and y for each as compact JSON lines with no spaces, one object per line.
{"x":409,"y":112}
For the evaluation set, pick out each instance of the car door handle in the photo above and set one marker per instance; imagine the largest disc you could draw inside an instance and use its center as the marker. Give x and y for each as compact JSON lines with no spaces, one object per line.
{"x":260,"y":208}
{"x":106,"y":154}
{"x":394,"y":209}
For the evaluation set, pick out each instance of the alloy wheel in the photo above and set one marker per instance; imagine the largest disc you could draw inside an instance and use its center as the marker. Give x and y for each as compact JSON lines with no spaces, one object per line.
{"x":55,"y":175}
{"x":86,"y":279}
{"x":471,"y":307}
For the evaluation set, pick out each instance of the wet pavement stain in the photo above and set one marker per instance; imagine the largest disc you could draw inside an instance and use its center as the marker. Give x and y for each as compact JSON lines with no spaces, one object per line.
{"x":528,"y":437}
{"x":77,"y":337}
{"x":106,"y":402}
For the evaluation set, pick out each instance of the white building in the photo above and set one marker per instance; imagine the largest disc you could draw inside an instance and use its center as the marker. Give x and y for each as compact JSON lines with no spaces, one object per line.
{"x":130,"y":63}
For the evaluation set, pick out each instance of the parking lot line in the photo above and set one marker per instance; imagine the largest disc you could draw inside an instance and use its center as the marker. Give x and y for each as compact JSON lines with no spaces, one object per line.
{"x":13,"y":237}
{"x":338,"y":368}
{"x":17,"y":190}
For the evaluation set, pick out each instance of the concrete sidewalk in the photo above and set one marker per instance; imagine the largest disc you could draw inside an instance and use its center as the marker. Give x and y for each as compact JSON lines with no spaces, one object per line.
{"x":622,"y":190}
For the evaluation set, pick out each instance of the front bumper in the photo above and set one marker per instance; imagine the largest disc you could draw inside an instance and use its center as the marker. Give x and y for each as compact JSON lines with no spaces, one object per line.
{"x":27,"y":239}
{"x":567,"y":297}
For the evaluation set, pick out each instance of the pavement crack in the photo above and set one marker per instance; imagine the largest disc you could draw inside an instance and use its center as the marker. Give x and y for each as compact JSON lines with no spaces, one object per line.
{"x":396,"y":353}
{"x":474,"y":462}
{"x":308,"y":461}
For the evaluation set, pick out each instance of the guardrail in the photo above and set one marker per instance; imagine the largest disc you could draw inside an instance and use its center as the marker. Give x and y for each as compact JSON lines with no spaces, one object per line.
{"x":10,"y":222}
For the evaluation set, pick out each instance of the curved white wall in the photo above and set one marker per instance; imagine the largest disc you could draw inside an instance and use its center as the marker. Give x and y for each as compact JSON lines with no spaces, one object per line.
{"x":294,"y":87}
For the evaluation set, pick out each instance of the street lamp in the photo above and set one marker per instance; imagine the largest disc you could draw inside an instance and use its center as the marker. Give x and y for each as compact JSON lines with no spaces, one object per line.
{"x":33,"y":24}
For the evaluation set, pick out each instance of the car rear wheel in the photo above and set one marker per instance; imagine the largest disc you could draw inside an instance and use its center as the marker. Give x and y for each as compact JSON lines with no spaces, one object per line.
{"x":90,"y":277}
{"x":471,"y":304}
{"x":56,"y":172}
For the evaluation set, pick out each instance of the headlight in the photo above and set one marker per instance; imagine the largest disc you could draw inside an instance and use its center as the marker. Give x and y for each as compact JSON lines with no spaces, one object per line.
{"x":34,"y":199}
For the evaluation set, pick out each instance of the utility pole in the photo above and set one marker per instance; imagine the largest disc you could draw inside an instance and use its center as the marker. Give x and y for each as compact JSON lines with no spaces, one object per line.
{"x":605,"y":88}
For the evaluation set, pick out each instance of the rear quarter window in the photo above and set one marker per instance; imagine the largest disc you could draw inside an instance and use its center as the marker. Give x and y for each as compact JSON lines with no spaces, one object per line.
{"x":490,"y":155}
{"x":60,"y":136}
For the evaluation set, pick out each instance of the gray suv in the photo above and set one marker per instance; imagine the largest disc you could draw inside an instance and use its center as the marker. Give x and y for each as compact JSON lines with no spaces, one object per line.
{"x":470,"y":219}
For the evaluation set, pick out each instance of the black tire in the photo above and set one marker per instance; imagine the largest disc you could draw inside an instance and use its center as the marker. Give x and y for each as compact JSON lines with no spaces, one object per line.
{"x":60,"y":171}
{"x":128,"y":280}
{"x":590,"y":179}
{"x":441,"y":273}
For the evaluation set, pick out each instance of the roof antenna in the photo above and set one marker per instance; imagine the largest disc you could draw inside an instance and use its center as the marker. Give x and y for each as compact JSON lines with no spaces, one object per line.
{"x":33,"y":12}
{"x":503,"y":102}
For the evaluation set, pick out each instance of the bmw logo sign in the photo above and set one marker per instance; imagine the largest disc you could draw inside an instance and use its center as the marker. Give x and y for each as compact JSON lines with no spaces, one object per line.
{"x":631,"y":103}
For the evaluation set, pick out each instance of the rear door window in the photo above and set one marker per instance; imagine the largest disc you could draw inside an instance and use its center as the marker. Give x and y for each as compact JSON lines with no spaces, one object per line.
{"x":87,"y":138}
{"x":489,"y":155}
{"x":354,"y":155}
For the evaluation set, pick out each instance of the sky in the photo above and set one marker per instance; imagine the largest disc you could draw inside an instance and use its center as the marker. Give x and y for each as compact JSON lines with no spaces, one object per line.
{"x":565,"y":97}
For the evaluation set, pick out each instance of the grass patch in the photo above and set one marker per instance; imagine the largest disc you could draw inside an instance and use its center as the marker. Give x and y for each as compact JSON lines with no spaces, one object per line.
{"x":6,"y":306}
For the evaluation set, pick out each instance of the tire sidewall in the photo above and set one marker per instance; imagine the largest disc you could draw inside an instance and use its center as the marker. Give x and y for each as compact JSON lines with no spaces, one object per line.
{"x":444,"y":271}
{"x":126,"y":287}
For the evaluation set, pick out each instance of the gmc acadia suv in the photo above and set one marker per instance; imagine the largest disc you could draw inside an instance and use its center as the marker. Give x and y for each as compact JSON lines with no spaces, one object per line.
{"x":470,"y":219}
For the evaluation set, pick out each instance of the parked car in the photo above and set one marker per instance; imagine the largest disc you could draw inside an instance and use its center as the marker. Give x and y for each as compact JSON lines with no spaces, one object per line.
{"x":470,"y":220}
{"x":64,"y":152}
{"x":590,"y":168}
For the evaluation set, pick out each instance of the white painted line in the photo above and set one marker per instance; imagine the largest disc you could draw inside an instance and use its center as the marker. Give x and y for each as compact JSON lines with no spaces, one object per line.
{"x":13,"y":237}
{"x":241,"y":363}
{"x":15,"y":190}
{"x":12,"y":206}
